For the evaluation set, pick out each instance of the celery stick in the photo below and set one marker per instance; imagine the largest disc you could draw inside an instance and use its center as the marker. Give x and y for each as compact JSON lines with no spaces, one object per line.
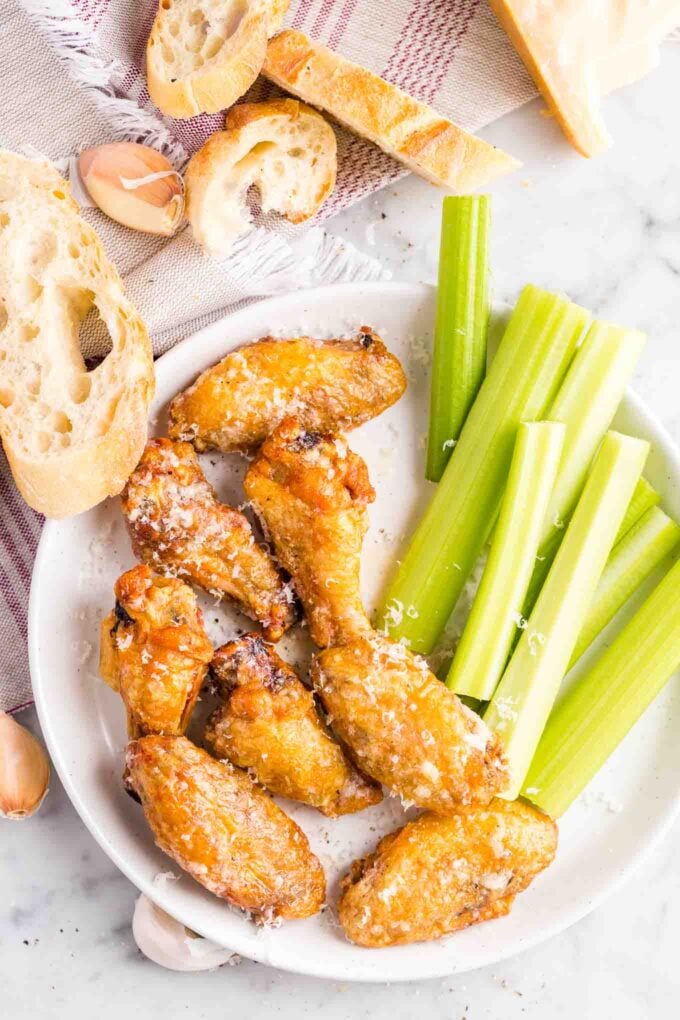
{"x":644,"y":498}
{"x":594,"y":716}
{"x":459,"y":361}
{"x":531,"y":361}
{"x":524,"y":697}
{"x":632,"y":560}
{"x":486,"y":640}
{"x":586,"y":402}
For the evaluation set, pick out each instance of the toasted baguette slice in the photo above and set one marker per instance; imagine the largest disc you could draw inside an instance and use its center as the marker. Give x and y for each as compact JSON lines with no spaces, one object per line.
{"x":410,"y":130}
{"x":576,"y":54}
{"x":284,"y":148}
{"x":202,"y":55}
{"x":71,"y":436}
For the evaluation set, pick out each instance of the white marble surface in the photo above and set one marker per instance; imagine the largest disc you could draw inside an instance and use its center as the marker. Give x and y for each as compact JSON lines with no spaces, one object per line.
{"x":608,"y":233}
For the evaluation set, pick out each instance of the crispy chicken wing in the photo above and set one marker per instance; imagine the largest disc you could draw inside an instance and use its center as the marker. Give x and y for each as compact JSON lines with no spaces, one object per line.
{"x":154,"y":651}
{"x":405,"y":728}
{"x":178,"y":527}
{"x":222,"y":828}
{"x":439,"y":873}
{"x":330,"y":385}
{"x":311,"y":492}
{"x":270,"y":724}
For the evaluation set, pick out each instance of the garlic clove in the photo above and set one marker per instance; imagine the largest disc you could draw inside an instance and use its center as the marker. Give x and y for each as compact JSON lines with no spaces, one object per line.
{"x":24,"y":771}
{"x":134,"y":185}
{"x":170,"y":944}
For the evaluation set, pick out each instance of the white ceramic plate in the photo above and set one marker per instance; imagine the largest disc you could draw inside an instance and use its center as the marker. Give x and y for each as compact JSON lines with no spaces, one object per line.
{"x":625,"y":812}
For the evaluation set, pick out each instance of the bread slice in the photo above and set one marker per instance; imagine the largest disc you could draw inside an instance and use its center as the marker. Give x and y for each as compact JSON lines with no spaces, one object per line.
{"x":576,"y":54}
{"x":202,"y":55}
{"x":71,"y":436}
{"x":284,"y":148}
{"x":410,"y":130}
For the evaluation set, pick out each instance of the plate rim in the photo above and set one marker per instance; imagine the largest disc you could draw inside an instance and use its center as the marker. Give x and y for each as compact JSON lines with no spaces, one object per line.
{"x":271,"y":956}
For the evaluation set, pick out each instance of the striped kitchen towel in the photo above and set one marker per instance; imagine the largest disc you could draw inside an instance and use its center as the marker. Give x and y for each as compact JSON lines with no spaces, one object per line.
{"x":87,"y":85}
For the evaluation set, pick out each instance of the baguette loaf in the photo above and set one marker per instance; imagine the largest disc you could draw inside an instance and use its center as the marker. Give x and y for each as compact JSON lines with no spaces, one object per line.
{"x":71,"y":436}
{"x":407,"y":129}
{"x":202,"y":55}
{"x":282,"y":147}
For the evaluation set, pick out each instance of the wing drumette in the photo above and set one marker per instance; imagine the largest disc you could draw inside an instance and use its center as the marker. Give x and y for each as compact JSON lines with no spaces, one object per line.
{"x":330,"y":385}
{"x":154,"y":651}
{"x":224,"y":830}
{"x":270,"y":725}
{"x":405,"y":728}
{"x":439,"y":874}
{"x":311,"y":492}
{"x":178,"y":527}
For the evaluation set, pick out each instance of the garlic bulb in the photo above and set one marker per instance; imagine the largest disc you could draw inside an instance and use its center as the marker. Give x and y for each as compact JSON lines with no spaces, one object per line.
{"x":168,"y":943}
{"x":134,"y":185}
{"x":24,"y":770}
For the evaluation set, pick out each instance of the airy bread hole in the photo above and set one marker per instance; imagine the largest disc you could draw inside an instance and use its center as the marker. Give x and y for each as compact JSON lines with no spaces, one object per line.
{"x":6,"y":396}
{"x":166,"y":4}
{"x":213,"y":47}
{"x":28,"y":332}
{"x":74,"y":250}
{"x":61,"y":422}
{"x":59,"y":194}
{"x":79,"y":389}
{"x":44,"y":441}
{"x":296,"y":153}
{"x":94,"y":336}
{"x":197,"y":18}
{"x":3,"y":315}
{"x":32,"y":289}
{"x":4,"y":220}
{"x":168,"y":55}
{"x":174,"y":28}
{"x":33,"y":384}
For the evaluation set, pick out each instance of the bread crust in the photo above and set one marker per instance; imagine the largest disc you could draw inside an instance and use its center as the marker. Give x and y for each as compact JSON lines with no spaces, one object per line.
{"x":225,"y":77}
{"x":407,"y":129}
{"x":93,"y":440}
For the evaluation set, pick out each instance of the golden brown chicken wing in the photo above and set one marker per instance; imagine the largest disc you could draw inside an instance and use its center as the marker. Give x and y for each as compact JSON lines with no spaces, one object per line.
{"x":311,"y":492}
{"x":330,"y":385}
{"x":154,"y":651}
{"x":405,"y":728}
{"x":270,"y":725}
{"x":178,"y":527}
{"x":222,"y":828}
{"x":439,"y":873}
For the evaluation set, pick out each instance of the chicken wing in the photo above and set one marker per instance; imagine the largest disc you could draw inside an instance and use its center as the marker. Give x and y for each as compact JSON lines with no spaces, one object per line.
{"x":330,"y":385}
{"x":178,"y":527}
{"x":154,"y":651}
{"x":311,"y":492}
{"x":439,"y":873}
{"x":223,"y":829}
{"x":270,"y":725}
{"x":405,"y":728}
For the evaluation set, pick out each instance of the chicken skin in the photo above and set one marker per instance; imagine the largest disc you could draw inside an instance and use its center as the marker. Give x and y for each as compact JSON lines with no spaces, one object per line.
{"x":178,"y":527}
{"x":218,"y":825}
{"x":269,"y":724}
{"x":311,"y":492}
{"x":405,"y":728}
{"x":439,"y":874}
{"x":154,"y":651}
{"x":330,"y":385}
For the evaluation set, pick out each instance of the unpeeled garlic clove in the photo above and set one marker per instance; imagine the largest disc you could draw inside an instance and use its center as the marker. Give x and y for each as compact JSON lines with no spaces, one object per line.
{"x":134,"y":185}
{"x":170,"y":944}
{"x":24,"y":770}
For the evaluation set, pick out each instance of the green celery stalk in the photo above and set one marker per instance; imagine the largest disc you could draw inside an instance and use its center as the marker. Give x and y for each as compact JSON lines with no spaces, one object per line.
{"x":533,"y":356}
{"x":594,"y":716}
{"x":487,"y":638}
{"x":644,"y":498}
{"x":461,"y":323}
{"x":524,"y":697}
{"x":586,"y":402}
{"x":631,"y":561}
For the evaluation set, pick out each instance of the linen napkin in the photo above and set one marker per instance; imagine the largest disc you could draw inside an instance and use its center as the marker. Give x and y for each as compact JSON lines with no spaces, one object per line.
{"x":73,"y":76}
